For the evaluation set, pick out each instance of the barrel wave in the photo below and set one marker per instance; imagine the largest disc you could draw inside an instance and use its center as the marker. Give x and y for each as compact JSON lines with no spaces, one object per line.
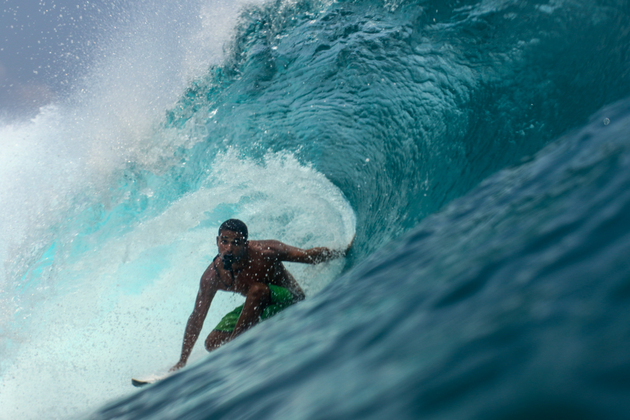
{"x":478,"y":153}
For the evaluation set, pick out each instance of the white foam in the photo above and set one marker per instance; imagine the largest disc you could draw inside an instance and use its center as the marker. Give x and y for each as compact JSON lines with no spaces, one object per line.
{"x":119,"y":309}
{"x":124,"y":304}
{"x":112,"y":115}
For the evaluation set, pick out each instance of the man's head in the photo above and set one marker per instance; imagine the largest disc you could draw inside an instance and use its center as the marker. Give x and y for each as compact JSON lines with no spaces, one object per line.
{"x":234,"y":225}
{"x":232,"y":241}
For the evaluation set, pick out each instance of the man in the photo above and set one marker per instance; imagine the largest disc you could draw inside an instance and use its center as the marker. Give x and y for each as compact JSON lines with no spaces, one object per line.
{"x":255,"y":270}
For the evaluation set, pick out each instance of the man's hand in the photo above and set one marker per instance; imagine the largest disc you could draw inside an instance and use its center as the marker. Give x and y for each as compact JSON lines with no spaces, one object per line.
{"x":177,"y":367}
{"x":336,"y":253}
{"x":349,"y":245}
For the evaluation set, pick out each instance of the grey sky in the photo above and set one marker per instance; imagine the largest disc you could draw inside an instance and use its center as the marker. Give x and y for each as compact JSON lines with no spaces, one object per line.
{"x":44,"y":45}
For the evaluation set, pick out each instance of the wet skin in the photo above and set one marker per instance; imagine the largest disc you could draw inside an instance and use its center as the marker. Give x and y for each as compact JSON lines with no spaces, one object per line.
{"x":255,"y":265}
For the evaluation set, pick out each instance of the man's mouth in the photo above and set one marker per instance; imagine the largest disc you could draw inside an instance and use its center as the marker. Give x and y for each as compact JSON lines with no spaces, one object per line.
{"x":228,"y":260}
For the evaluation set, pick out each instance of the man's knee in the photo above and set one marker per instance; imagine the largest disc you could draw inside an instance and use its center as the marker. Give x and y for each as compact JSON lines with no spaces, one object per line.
{"x":259,"y":292}
{"x":216,"y":338}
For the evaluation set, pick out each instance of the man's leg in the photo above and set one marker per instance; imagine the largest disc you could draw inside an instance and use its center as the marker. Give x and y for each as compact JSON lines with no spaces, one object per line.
{"x":216,"y":339}
{"x":256,"y":300}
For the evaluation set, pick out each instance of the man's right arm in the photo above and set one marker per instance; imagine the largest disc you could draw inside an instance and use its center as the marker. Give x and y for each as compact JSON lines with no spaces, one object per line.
{"x":207,"y":289}
{"x":317,"y":255}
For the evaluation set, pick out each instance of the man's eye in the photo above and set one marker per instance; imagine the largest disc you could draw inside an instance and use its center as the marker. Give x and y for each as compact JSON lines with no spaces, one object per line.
{"x":236,"y":243}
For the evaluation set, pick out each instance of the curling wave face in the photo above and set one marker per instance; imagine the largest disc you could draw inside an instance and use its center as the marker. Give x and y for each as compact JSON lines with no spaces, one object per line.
{"x":328,"y":117}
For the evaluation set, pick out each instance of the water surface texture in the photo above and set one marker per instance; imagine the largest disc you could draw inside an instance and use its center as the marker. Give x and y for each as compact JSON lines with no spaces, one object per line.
{"x":478,"y":150}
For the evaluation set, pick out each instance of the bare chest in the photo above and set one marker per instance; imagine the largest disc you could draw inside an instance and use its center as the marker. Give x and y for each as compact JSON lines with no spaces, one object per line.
{"x":239,"y":281}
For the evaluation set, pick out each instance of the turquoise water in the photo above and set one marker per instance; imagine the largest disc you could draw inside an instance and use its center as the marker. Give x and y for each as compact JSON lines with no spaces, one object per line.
{"x":477,"y":149}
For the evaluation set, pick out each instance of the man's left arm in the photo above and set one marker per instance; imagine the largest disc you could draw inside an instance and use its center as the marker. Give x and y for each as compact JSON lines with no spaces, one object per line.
{"x":317,"y":255}
{"x":289,"y":283}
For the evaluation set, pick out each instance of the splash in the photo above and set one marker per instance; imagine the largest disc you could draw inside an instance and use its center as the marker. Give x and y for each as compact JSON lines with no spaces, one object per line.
{"x":119,"y":309}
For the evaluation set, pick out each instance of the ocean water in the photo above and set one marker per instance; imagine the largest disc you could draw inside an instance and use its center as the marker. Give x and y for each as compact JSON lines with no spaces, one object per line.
{"x":478,"y":151}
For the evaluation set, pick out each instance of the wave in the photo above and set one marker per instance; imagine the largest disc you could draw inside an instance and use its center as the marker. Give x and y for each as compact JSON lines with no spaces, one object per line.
{"x":318,"y":120}
{"x":407,"y":105}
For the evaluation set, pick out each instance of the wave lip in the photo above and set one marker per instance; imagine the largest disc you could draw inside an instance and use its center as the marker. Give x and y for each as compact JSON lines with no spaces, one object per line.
{"x":408,"y":105}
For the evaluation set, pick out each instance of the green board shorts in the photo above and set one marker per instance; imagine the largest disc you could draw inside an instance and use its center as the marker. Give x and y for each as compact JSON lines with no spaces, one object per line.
{"x":280,"y":298}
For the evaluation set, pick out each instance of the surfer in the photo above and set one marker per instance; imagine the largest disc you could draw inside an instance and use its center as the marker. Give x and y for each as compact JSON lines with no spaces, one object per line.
{"x":255,"y":270}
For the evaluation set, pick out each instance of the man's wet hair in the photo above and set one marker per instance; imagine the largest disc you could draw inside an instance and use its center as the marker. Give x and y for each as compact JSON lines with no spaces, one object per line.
{"x":234,"y":225}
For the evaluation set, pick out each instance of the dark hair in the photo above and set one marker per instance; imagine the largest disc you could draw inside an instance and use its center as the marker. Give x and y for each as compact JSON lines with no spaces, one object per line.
{"x":234,"y":225}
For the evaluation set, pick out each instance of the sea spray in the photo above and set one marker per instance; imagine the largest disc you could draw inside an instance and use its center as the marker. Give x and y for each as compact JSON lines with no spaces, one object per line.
{"x":118,"y":307}
{"x":402,"y":106}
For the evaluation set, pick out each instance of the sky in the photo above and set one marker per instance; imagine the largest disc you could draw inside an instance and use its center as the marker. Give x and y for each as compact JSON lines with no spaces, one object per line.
{"x":43,"y":48}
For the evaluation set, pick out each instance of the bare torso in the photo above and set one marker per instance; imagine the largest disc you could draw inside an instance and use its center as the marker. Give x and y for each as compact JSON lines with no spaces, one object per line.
{"x":262,"y":266}
{"x":255,"y":265}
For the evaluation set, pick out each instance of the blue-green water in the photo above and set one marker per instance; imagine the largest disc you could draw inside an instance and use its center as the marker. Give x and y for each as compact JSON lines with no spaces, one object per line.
{"x":478,"y":149}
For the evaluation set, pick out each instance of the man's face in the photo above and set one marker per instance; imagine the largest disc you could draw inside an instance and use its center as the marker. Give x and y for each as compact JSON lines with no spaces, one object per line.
{"x":232,"y":243}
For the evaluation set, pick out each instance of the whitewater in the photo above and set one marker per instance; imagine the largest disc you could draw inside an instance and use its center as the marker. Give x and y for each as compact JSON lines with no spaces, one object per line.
{"x":477,"y":151}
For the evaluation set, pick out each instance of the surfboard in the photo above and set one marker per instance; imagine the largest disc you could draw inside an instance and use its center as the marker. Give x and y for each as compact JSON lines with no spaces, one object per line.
{"x":148,"y":380}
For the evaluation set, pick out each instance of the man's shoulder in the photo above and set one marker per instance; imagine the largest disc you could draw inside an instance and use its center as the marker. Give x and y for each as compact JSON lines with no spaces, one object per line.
{"x":212,"y":272}
{"x":267,"y":247}
{"x":266,"y":243}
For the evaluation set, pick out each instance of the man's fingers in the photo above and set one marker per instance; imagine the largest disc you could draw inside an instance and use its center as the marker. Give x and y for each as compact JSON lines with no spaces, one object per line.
{"x":177,"y":367}
{"x":351,"y":242}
